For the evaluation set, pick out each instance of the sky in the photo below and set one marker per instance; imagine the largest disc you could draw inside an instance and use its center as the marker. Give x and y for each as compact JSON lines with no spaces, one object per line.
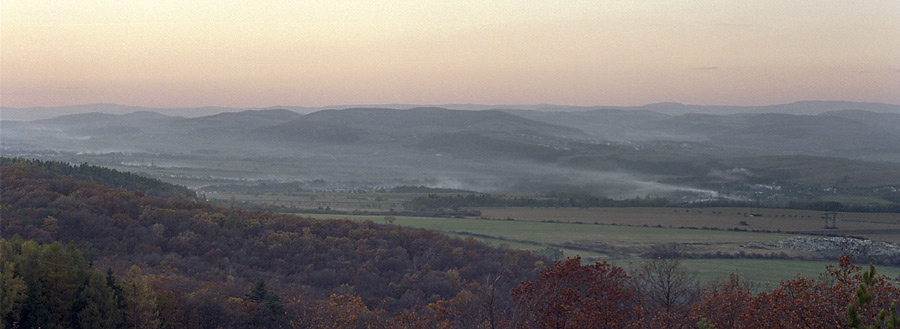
{"x":320,"y":53}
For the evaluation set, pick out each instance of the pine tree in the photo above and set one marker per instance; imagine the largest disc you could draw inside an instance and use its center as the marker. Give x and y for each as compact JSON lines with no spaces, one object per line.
{"x":96,"y":306}
{"x":12,"y":295}
{"x":233,"y":221}
{"x":113,"y":283}
{"x":266,"y":307}
{"x":53,"y":275}
{"x":887,"y":318}
{"x":141,"y":311}
{"x":35,"y":310}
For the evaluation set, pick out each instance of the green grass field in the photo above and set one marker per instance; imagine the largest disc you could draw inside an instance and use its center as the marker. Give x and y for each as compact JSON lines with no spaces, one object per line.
{"x":536,"y":235}
{"x":764,"y":274}
{"x":856,"y":199}
{"x":876,"y":226}
{"x":554,"y":233}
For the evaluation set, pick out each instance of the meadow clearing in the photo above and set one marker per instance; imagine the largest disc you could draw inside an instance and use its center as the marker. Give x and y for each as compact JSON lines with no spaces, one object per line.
{"x":875,"y":226}
{"x":624,"y":245}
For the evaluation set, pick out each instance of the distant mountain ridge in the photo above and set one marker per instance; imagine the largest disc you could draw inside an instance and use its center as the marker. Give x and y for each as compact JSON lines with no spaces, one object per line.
{"x":850,"y":133}
{"x":430,"y":120}
{"x":810,"y":107}
{"x":404,"y":136}
{"x":613,"y":152}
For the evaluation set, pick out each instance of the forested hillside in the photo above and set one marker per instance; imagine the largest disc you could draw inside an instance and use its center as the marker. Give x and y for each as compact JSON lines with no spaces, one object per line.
{"x":186,"y":264}
{"x":202,"y":254}
{"x":111,"y":178}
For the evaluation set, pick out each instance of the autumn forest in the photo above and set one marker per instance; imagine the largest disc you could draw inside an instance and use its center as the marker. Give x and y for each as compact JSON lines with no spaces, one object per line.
{"x":89,"y":247}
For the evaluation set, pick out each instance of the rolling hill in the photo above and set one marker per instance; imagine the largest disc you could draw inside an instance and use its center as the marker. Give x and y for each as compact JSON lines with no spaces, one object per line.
{"x":198,"y":250}
{"x":613,"y":152}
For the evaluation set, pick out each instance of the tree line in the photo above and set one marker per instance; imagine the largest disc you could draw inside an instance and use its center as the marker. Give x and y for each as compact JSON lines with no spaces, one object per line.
{"x":110,"y":177}
{"x":460,"y":202}
{"x":54,"y":286}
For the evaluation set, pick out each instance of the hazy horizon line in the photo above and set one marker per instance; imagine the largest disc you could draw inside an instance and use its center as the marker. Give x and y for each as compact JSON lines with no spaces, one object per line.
{"x":387,"y":105}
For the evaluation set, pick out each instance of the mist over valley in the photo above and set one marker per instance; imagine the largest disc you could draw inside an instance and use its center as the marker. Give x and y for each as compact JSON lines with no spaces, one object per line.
{"x":445,"y":164}
{"x":662,"y":150}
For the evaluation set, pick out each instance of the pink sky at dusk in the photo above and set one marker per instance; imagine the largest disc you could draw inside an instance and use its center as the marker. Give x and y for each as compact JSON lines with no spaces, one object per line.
{"x":318,"y":53}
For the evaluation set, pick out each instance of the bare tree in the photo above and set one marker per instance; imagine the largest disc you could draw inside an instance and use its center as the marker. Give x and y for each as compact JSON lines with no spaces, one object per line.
{"x":663,"y":283}
{"x":492,"y":292}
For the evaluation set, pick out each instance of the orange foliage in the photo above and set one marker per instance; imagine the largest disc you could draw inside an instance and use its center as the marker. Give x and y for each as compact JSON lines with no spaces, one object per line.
{"x":571,"y":295}
{"x":796,"y":303}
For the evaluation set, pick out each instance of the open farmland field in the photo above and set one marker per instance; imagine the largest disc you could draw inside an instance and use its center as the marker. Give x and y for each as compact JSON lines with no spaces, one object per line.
{"x":566,"y":232}
{"x":622,"y":245}
{"x":875,"y":226}
{"x":764,"y":274}
{"x":607,"y":241}
{"x":313,"y":200}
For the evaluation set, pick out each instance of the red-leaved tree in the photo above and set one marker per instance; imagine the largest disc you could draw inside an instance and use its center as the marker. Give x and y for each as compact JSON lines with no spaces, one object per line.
{"x":571,"y":295}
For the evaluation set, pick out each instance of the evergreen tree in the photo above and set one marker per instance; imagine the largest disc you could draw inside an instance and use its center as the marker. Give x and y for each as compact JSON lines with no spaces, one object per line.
{"x":233,"y":221}
{"x":53,"y":275}
{"x":64,"y":271}
{"x":113,"y":283}
{"x":96,"y":306}
{"x":36,"y":311}
{"x":12,"y":295}
{"x":141,"y":311}
{"x":267,"y":309}
{"x":887,"y":318}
